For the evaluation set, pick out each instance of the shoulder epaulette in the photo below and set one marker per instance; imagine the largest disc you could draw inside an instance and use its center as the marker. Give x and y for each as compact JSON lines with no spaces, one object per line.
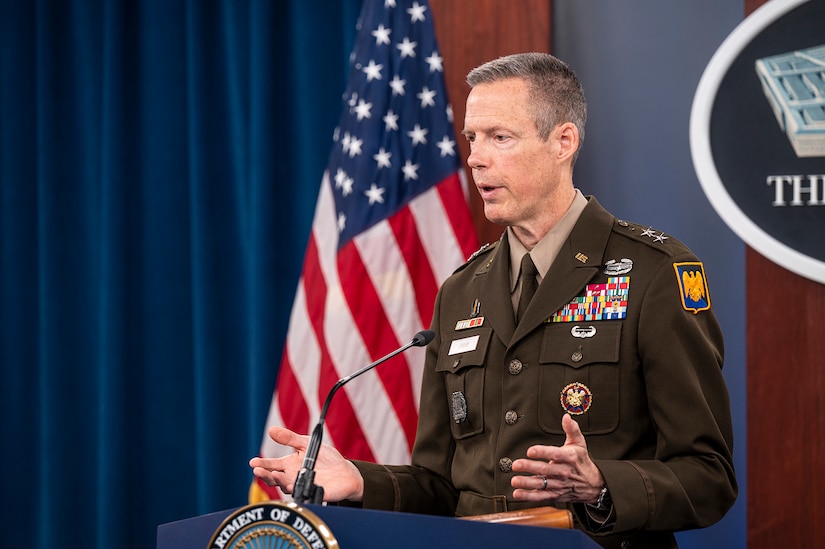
{"x":648,"y":235}
{"x":479,"y":251}
{"x":485,"y":249}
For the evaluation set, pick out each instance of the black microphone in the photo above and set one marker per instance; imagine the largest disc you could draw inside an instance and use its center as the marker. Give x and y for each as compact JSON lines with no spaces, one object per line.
{"x":306,"y":491}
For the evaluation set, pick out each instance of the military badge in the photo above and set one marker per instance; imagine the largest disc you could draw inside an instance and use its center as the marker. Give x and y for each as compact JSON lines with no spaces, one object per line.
{"x":599,"y":302}
{"x":583,"y":333}
{"x":693,"y":286}
{"x":620,"y":267}
{"x":458,"y":407}
{"x":576,"y":398}
{"x":656,"y":237}
{"x":469,"y":323}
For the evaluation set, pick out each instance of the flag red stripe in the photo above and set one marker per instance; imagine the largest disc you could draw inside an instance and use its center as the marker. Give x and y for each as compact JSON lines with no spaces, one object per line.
{"x":378,"y":335}
{"x":455,"y":204}
{"x":343,"y":419}
{"x":418,"y":265}
{"x":294,"y":411}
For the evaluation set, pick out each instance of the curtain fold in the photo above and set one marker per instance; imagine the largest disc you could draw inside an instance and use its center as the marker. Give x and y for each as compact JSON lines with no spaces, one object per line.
{"x":159,"y":164}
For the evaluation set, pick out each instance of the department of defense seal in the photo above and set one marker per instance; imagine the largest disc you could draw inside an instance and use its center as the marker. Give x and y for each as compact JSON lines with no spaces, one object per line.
{"x":273,"y":524}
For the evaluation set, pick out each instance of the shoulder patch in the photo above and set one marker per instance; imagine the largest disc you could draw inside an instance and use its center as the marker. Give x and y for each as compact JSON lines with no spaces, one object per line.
{"x":693,"y":286}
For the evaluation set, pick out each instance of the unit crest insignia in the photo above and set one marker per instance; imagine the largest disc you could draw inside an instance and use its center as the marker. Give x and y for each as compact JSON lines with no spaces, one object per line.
{"x":576,"y":398}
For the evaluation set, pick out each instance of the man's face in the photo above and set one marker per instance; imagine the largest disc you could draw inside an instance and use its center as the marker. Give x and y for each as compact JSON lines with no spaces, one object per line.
{"x":515,"y":171}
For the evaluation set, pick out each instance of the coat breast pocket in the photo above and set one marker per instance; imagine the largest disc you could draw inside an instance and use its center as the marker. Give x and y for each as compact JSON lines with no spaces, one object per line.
{"x":461,"y":362}
{"x":580,"y":375}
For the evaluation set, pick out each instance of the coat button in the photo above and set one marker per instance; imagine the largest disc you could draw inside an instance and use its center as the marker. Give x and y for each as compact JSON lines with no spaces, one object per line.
{"x":511,"y":417}
{"x":577,"y":356}
{"x":505,"y":464}
{"x":515,"y":367}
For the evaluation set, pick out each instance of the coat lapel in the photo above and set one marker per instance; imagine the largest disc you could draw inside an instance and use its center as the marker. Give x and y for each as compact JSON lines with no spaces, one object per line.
{"x":579,"y":260}
{"x":492,"y":285}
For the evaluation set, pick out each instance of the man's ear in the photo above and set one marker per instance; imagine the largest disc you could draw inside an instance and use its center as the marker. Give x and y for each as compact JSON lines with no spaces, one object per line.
{"x":567,"y":135}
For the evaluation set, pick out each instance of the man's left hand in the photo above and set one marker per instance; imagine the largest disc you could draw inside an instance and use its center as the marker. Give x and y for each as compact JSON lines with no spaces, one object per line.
{"x":559,"y":474}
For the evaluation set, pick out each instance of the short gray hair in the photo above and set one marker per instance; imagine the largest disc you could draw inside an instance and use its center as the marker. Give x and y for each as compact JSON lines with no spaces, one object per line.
{"x":556,"y":93}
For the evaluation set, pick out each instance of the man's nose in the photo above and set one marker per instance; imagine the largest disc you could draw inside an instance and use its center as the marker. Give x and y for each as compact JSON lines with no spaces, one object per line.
{"x":476,"y":159}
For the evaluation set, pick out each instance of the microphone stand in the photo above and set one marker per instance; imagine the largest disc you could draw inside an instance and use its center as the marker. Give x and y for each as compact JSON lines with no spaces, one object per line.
{"x":306,"y":491}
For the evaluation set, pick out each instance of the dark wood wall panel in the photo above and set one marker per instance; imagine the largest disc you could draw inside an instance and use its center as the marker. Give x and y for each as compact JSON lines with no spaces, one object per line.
{"x":786,"y":403}
{"x":786,"y":406}
{"x":471,"y":32}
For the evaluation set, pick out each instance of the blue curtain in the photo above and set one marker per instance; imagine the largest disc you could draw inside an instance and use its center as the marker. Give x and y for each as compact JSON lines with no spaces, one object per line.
{"x":159,"y":165}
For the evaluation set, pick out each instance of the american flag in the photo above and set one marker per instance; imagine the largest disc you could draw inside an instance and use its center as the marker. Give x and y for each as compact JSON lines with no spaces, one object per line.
{"x":391,"y":223}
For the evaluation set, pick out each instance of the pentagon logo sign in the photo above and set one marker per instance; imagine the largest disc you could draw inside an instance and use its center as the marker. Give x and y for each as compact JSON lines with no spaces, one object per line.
{"x":757,"y":133}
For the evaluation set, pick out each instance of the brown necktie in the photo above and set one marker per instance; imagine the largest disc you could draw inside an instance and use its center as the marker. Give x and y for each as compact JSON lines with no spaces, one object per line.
{"x":528,"y":285}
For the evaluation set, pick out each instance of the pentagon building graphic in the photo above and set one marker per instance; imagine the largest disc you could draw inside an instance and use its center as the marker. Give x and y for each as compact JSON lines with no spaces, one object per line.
{"x":794,"y":84}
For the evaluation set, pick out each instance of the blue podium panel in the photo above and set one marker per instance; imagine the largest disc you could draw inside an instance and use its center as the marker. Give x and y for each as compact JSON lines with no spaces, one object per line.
{"x":367,"y":529}
{"x":190,"y":533}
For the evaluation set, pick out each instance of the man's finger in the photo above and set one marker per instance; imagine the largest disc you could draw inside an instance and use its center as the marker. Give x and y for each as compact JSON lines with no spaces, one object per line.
{"x":285,"y":437}
{"x":572,"y":431}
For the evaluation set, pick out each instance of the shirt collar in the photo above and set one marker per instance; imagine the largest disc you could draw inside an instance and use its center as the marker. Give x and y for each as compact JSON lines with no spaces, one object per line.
{"x":546,"y":250}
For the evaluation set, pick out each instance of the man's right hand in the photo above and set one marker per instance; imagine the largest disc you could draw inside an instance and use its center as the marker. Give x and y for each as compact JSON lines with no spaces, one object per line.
{"x":339,"y":477}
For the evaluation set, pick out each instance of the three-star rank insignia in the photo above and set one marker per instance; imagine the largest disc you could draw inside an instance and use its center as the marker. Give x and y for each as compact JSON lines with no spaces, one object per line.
{"x":693,"y":286}
{"x":576,"y":398}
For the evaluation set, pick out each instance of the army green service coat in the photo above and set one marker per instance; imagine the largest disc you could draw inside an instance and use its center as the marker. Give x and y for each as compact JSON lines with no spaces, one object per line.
{"x":647,"y":389}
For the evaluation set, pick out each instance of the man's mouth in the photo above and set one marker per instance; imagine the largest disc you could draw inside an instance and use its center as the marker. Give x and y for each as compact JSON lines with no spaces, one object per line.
{"x":485,"y":189}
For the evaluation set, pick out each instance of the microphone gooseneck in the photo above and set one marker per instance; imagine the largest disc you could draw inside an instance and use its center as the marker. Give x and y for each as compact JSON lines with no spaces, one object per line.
{"x":306,"y":491}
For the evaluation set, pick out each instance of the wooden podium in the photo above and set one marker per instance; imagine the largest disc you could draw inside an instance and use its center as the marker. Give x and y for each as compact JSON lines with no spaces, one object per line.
{"x":366,"y":529}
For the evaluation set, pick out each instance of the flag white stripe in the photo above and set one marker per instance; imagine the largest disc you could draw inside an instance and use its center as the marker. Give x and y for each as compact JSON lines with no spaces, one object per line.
{"x":388,"y":271}
{"x":374,"y":410}
{"x":440,"y":243}
{"x":304,"y":355}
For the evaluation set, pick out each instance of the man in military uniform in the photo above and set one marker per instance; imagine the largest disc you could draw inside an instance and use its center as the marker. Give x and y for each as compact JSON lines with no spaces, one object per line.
{"x":576,"y":362}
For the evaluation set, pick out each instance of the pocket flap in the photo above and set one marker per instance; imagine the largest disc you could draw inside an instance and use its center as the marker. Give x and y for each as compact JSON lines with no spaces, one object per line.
{"x":579,"y":344}
{"x":464,"y":350}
